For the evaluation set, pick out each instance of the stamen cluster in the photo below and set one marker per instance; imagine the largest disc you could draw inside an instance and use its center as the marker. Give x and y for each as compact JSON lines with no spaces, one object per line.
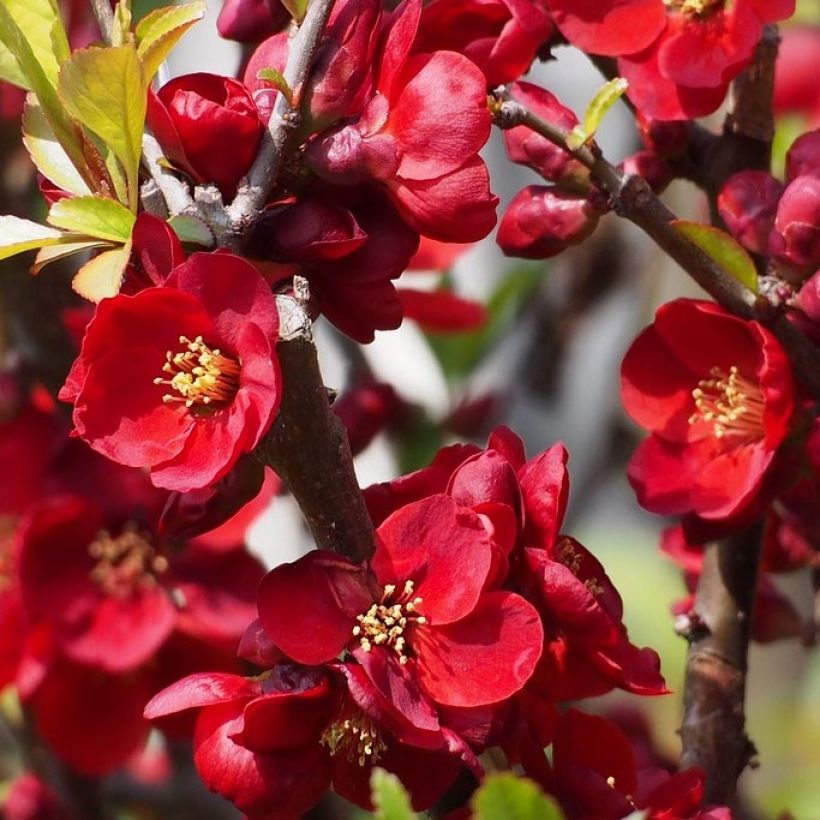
{"x":357,"y":737}
{"x":124,"y":562}
{"x":733,"y":404}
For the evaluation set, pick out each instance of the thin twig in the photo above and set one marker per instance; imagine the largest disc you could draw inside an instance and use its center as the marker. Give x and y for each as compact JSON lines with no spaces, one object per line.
{"x":105,"y":18}
{"x":247,"y":207}
{"x":176,"y":192}
{"x":632,"y":198}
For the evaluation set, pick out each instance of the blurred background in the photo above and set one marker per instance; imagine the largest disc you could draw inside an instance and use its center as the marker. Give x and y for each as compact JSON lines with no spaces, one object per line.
{"x":545,"y":363}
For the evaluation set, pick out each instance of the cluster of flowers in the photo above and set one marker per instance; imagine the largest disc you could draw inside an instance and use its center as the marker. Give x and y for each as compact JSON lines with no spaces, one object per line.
{"x":103,"y":598}
{"x":473,"y":619}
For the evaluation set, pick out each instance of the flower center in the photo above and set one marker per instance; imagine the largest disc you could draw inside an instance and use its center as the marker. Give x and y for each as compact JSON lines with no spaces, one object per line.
{"x":355,"y":737}
{"x":732,"y":404}
{"x":695,"y":8}
{"x":384,"y":623}
{"x":200,"y":375}
{"x":125,"y":563}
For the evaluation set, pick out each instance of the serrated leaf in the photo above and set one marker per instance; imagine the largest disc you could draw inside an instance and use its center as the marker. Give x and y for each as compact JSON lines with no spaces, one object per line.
{"x":121,"y":30}
{"x":595,"y":112}
{"x":160,"y":30}
{"x":508,"y":797}
{"x":39,"y":80}
{"x":62,"y":250}
{"x":105,"y":90}
{"x":390,"y":799}
{"x":102,"y":276}
{"x":276,"y":79}
{"x":94,"y":216}
{"x":18,"y":235}
{"x":296,"y":9}
{"x":724,"y":249}
{"x":48,"y":155}
{"x":40,"y":24}
{"x":191,"y":229}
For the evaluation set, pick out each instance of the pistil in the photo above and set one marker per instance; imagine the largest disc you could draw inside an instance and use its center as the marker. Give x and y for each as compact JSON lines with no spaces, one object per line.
{"x":200,"y":375}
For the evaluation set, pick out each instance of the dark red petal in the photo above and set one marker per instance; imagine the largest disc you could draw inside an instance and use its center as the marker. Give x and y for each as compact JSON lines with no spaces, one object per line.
{"x":201,"y":689}
{"x":441,"y":311}
{"x":545,"y":488}
{"x":484,"y":658}
{"x":308,"y":607}
{"x":443,"y":549}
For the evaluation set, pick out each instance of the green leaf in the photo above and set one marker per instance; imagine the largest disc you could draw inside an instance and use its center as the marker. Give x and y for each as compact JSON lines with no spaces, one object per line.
{"x":38,"y":21}
{"x":597,"y":109}
{"x":160,"y":30}
{"x":276,"y":79}
{"x":723,"y":249}
{"x":105,"y":90}
{"x":121,"y":30}
{"x":193,"y":230}
{"x":64,"y":249}
{"x":47,"y":154}
{"x":94,"y":216}
{"x":18,"y":235}
{"x":507,"y":797}
{"x":390,"y":799}
{"x":39,"y":79}
{"x":296,"y":9}
{"x":102,"y":276}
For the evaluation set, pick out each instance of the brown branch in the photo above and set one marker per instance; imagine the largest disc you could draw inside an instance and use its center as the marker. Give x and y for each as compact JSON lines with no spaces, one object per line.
{"x":632,"y":198}
{"x":308,"y":448}
{"x":247,"y":207}
{"x":713,"y":729}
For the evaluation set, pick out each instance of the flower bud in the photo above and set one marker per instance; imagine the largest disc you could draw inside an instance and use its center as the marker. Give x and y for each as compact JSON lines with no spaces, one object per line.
{"x":249,"y":21}
{"x":541,"y":222}
{"x":804,"y":155}
{"x":272,"y":53}
{"x":666,"y":138}
{"x":747,"y":204}
{"x":795,"y":239}
{"x":651,"y":167}
{"x":208,"y":127}
{"x":526,"y":147}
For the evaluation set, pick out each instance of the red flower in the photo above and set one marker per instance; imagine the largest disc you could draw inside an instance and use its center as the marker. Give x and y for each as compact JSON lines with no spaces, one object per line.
{"x":419,"y":137}
{"x":201,"y":372}
{"x":195,"y":117}
{"x":501,"y":37}
{"x":685,"y":72}
{"x":419,"y":611}
{"x":716,"y":394}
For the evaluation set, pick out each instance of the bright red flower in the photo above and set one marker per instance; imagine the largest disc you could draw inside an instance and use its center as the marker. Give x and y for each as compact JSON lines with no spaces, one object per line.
{"x":685,"y":72}
{"x":202,"y":373}
{"x":501,"y":37}
{"x":717,"y":396}
{"x":195,"y":116}
{"x":418,"y":611}
{"x":419,"y":137}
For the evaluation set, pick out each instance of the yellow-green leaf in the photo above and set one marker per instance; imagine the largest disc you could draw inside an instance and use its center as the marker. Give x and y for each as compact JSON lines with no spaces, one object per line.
{"x":47,"y":154}
{"x":508,"y":797}
{"x":40,"y":24}
{"x":105,"y":90}
{"x":296,"y":8}
{"x":277,"y":79}
{"x":121,"y":30}
{"x":192,"y":229}
{"x":39,"y":79}
{"x":102,"y":276}
{"x":18,"y":235}
{"x":721,"y":247}
{"x":160,"y":30}
{"x":64,"y":249}
{"x":94,"y":216}
{"x":390,"y":798}
{"x":597,"y":109}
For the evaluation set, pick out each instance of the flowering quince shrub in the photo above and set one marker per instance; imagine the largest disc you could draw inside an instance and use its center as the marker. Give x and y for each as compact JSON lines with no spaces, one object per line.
{"x":437,"y":645}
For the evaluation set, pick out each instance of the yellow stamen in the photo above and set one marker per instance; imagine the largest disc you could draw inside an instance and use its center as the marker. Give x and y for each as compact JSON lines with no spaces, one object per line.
{"x":125,"y":562}
{"x":356,"y":737}
{"x":200,"y":375}
{"x":732,"y":404}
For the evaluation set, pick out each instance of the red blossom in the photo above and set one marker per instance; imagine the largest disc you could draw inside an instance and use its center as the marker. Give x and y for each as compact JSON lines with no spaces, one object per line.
{"x":216,"y":315}
{"x":404,"y":616}
{"x":717,"y":396}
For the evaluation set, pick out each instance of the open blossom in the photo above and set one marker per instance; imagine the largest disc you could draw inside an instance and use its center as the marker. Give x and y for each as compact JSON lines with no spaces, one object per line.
{"x":202,"y":375}
{"x":717,"y":396}
{"x":419,"y":611}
